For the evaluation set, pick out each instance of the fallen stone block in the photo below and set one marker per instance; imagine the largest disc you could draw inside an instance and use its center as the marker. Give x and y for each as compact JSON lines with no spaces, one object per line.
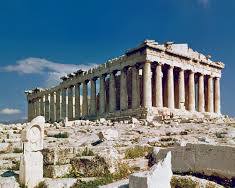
{"x":56,"y":171}
{"x":118,"y":184}
{"x":89,"y":166}
{"x":8,"y":182}
{"x":58,"y":156}
{"x":59,"y":183}
{"x":204,"y":159}
{"x":159,"y":176}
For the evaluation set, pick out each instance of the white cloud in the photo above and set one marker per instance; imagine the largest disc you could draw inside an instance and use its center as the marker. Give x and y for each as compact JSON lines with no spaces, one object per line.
{"x":10,"y":111}
{"x":52,"y":70}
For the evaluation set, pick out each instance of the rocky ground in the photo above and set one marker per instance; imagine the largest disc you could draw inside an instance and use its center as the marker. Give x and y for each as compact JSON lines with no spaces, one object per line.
{"x":91,"y":153}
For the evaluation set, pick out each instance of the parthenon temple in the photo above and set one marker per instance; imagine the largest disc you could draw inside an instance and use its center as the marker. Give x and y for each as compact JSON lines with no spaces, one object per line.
{"x":149,"y":80}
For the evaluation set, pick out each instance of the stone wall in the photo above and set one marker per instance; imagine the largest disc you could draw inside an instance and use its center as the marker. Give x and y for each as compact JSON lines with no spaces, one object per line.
{"x":200,"y":158}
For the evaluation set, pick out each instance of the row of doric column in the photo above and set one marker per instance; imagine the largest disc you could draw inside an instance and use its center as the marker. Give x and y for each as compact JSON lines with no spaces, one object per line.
{"x":149,"y":85}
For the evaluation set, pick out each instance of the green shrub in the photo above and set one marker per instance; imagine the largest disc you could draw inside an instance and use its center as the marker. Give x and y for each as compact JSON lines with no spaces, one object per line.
{"x":87,"y":152}
{"x":17,"y":150}
{"x":60,"y":135}
{"x":182,"y":182}
{"x":137,"y":151}
{"x":123,"y":172}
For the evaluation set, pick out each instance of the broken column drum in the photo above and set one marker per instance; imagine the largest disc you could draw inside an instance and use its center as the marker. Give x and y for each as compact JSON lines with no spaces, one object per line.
{"x":149,"y":79}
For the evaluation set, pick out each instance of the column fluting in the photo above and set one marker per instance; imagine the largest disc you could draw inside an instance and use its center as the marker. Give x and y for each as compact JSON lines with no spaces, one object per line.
{"x":181,"y":82}
{"x":102,"y":95}
{"x":58,"y":105}
{"x":52,"y":107}
{"x":135,"y":103}
{"x":147,"y":85}
{"x":210,"y":94}
{"x":77,"y":101}
{"x":191,"y":103}
{"x":217,"y":95}
{"x":70,"y":103}
{"x":84,"y":99}
{"x":112,"y":92}
{"x":158,"y":85}
{"x":170,"y":88}
{"x":93,"y":97}
{"x":201,"y":94}
{"x":47,"y":108}
{"x":63,"y":103}
{"x":123,"y":90}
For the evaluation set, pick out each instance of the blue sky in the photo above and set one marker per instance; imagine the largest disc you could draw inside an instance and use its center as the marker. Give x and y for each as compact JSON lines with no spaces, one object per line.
{"x":39,"y":38}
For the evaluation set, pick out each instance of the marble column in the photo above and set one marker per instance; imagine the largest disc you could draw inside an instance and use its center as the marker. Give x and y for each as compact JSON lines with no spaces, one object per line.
{"x":123,"y":90}
{"x":191,"y":103}
{"x":30,"y":110}
{"x":63,"y":103}
{"x":170,"y":88}
{"x":47,"y":108}
{"x":158,"y":85}
{"x":58,"y":105}
{"x":102,"y":95}
{"x":42,"y":106}
{"x":112,"y":92}
{"x":201,"y":94}
{"x":147,"y":85}
{"x":52,"y":107}
{"x":70,"y":103}
{"x":93,"y":97}
{"x":135,"y":103}
{"x":210,"y":106}
{"x":84,"y":99}
{"x":77,"y":101}
{"x":181,"y":82}
{"x":33,"y":109}
{"x":37,"y":107}
{"x":217,"y":95}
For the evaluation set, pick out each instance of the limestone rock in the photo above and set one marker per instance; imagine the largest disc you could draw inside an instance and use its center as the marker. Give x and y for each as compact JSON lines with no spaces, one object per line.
{"x":60,"y":183}
{"x":159,"y":176}
{"x":134,"y":120}
{"x":8,"y":182}
{"x":109,"y":134}
{"x":31,"y":169}
{"x":201,"y":158}
{"x":89,"y":166}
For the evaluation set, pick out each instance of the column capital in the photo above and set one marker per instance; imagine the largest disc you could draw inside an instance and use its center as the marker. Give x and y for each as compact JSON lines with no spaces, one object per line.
{"x":160,"y":63}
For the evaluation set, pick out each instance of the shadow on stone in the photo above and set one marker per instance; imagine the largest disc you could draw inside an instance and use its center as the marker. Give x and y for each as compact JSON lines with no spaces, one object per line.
{"x":96,"y":143}
{"x":8,"y":174}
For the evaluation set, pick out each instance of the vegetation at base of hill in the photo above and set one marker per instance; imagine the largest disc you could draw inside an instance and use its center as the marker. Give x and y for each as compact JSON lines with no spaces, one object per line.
{"x":137,"y":151}
{"x":17,"y":150}
{"x":124,"y":170}
{"x":60,"y":135}
{"x":87,"y":152}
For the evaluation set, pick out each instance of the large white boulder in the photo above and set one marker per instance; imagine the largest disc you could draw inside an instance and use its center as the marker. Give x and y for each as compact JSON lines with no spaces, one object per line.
{"x":8,"y":182}
{"x":159,"y":176}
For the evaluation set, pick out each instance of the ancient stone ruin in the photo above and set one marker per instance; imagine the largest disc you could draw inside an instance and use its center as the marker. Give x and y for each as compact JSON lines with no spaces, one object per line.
{"x":150,"y":118}
{"x":31,"y":164}
{"x":150,"y":80}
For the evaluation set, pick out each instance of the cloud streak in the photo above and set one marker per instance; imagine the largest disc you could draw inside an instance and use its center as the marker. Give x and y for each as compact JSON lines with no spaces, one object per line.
{"x":9,"y":111}
{"x":52,"y":70}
